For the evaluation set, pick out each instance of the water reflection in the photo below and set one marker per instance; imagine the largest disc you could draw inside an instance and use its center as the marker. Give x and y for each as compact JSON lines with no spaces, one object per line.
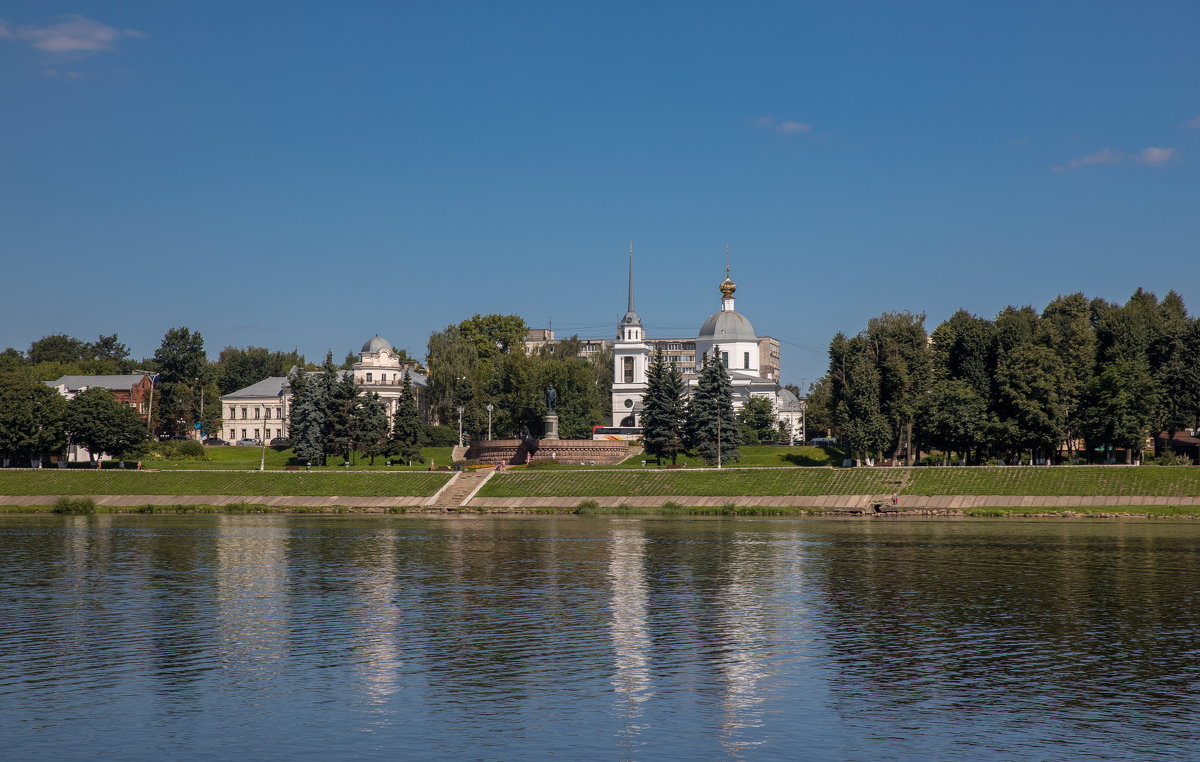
{"x":629,"y":626}
{"x":498,"y":638}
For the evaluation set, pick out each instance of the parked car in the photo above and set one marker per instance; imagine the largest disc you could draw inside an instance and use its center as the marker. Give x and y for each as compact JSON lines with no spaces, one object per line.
{"x":248,"y":443}
{"x":215,"y":442}
{"x":283,"y":442}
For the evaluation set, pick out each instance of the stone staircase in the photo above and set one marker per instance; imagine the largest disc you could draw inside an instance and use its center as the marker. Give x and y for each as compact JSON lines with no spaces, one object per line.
{"x":460,"y":488}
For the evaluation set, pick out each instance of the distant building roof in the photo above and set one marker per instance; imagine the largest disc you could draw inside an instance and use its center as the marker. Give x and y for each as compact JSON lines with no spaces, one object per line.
{"x":789,"y":402}
{"x":727,"y":325}
{"x":268,"y":387}
{"x":122,"y":382}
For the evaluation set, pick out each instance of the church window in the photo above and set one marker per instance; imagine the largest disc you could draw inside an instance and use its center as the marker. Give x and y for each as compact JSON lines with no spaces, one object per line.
{"x":628,"y":369}
{"x":746,"y":360}
{"x":725,"y":359}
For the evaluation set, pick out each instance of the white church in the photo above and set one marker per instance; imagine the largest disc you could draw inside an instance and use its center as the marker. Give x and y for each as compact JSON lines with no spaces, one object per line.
{"x":730,"y":333}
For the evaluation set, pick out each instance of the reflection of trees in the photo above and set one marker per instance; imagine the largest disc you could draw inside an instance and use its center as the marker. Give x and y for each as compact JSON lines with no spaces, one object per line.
{"x":976,"y":620}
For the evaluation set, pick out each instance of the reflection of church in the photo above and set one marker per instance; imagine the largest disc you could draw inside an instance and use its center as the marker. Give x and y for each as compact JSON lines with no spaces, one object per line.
{"x":726,"y":331}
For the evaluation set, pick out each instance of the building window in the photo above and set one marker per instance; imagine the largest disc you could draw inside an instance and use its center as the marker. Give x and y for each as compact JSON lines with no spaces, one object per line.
{"x":232,"y":412}
{"x":279,"y":412}
{"x":267,"y":412}
{"x":725,"y":359}
{"x":628,"y":369}
{"x":256,"y":433}
{"x":243,"y":418}
{"x":243,"y":433}
{"x":256,"y":414}
{"x":232,"y":434}
{"x":368,"y":378}
{"x":746,"y":360}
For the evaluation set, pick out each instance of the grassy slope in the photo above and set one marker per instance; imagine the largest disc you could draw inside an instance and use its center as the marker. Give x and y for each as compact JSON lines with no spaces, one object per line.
{"x":56,"y":482}
{"x":813,"y":481}
{"x":1098,"y":480}
{"x":247,"y":458}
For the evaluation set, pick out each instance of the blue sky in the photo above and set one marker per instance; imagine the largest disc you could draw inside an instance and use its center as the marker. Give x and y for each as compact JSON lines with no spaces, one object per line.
{"x":304,"y":175}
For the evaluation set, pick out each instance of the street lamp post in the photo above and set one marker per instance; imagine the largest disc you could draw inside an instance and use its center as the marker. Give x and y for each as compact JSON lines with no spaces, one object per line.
{"x":460,"y":412}
{"x":490,"y":408}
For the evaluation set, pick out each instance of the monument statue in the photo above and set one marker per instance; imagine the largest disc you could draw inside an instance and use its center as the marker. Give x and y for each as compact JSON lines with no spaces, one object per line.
{"x":551,"y":398}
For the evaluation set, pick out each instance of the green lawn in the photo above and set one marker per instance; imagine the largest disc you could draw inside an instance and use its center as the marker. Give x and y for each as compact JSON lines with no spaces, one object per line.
{"x":71,"y":482}
{"x":247,"y":458}
{"x":1170,"y":481}
{"x":798,"y":481}
{"x":1051,"y":480}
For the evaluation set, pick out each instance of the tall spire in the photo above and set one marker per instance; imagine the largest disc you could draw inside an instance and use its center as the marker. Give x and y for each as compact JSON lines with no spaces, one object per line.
{"x":631,"y":275}
{"x":630,"y":327}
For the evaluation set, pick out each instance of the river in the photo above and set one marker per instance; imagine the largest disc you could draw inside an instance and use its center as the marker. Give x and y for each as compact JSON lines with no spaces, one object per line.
{"x":504,"y":638}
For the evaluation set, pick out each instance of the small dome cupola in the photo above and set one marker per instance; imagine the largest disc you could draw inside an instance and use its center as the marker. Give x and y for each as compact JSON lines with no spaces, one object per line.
{"x":375,"y":344}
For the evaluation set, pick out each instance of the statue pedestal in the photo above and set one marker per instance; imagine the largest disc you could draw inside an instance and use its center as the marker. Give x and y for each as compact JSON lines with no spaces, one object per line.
{"x":550,"y":427}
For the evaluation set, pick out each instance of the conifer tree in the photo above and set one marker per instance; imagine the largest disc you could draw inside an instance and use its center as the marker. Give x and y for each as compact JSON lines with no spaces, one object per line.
{"x":342,"y":434}
{"x":407,"y":428}
{"x":307,"y":425}
{"x":712,"y":424}
{"x":371,"y":426}
{"x":664,"y":418}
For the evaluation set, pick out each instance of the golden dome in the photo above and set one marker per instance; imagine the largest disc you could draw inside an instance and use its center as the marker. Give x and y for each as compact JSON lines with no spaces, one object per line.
{"x":727,"y":288}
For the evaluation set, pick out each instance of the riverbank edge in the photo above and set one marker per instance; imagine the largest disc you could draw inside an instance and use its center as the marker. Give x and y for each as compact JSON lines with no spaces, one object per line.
{"x":589,"y":508}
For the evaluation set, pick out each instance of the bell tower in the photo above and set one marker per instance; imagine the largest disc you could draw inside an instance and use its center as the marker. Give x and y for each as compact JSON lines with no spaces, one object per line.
{"x":630,"y":356}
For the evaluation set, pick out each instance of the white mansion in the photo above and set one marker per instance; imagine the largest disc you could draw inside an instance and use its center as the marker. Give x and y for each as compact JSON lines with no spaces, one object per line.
{"x":260,"y":411}
{"x":743,"y":354}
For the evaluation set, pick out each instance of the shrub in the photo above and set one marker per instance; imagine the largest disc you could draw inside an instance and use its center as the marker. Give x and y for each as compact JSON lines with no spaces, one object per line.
{"x":75,"y":505}
{"x":441,"y":436}
{"x":671,"y":507}
{"x":587,"y":506}
{"x":190,"y":449}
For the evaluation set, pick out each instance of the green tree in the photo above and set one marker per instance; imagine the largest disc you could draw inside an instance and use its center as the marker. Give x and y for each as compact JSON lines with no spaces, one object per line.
{"x":181,"y":357}
{"x":818,"y":408}
{"x":1066,"y":328}
{"x":451,"y":360}
{"x":492,"y":335}
{"x":408,"y":431}
{"x":341,"y":434}
{"x":865,"y":429}
{"x":97,"y":421}
{"x":1120,"y":405}
{"x":1028,"y":399}
{"x":712,"y":424}
{"x":371,"y":426}
{"x":664,"y":419}
{"x":237,"y":368}
{"x":31,"y":419}
{"x":306,"y":426}
{"x":58,"y":348}
{"x":954,"y":417}
{"x":757,"y":418}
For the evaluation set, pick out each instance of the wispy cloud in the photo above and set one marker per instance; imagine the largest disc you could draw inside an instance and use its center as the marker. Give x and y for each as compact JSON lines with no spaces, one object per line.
{"x":1156,"y":157}
{"x":1151,"y":155}
{"x":784,"y":127}
{"x":71,"y":34}
{"x":1107,"y":156}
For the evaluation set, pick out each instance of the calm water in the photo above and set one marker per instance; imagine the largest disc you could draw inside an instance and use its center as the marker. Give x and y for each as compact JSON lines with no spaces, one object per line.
{"x":178,"y":637}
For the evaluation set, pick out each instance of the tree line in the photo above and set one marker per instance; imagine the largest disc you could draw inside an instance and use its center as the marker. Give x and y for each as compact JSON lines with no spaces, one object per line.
{"x":1078,"y":381}
{"x":36,"y":422}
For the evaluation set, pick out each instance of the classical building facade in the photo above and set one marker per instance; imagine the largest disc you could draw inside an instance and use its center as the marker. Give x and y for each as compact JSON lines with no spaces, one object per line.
{"x":260,"y":411}
{"x":752,"y":363}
